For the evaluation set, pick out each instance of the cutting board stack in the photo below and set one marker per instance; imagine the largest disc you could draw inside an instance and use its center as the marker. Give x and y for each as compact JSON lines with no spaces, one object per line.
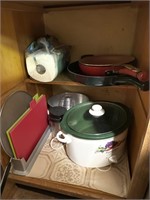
{"x":26,"y":132}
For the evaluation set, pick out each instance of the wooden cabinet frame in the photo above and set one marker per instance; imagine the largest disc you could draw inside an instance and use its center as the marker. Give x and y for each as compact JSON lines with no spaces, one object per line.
{"x":23,"y":22}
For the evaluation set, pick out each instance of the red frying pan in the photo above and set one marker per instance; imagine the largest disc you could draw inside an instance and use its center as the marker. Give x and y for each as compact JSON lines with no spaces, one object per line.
{"x":111,"y":65}
{"x":77,"y":75}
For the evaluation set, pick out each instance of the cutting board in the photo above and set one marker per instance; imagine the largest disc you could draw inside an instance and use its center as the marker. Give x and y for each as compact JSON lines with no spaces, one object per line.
{"x":26,"y":133}
{"x":36,"y":97}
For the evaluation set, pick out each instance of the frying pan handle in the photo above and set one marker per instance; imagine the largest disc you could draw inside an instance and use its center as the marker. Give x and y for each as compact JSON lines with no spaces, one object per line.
{"x":131,"y":80}
{"x":142,"y":76}
{"x":5,"y":176}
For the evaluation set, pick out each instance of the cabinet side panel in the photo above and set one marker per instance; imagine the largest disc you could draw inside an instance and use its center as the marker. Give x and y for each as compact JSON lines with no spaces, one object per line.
{"x":11,"y":71}
{"x":139,"y":140}
{"x":140,"y":177}
{"x":137,"y":130}
{"x":28,"y":26}
{"x":141,"y":40}
{"x":141,"y":46}
{"x":18,"y":29}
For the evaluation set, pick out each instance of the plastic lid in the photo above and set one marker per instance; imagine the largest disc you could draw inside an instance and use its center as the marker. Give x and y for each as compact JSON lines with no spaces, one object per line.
{"x":80,"y":123}
{"x":96,"y":110}
{"x":56,"y":113}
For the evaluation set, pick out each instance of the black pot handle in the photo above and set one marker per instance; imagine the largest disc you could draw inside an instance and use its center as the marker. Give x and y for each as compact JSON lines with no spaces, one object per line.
{"x":131,"y":80}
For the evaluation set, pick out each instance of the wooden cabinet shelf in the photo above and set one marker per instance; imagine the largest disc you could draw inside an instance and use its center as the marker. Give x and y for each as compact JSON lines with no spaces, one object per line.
{"x":64,"y":79}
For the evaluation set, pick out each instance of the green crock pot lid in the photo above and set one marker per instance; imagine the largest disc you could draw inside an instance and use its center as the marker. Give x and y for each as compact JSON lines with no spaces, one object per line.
{"x":78,"y":122}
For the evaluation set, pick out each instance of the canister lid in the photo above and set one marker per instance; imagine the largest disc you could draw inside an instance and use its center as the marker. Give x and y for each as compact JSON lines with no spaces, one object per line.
{"x":113,"y":119}
{"x":56,"y":113}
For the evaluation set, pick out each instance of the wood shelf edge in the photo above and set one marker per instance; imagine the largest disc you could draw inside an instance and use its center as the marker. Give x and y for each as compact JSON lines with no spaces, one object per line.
{"x":73,"y":83}
{"x":55,"y":82}
{"x":63,"y":188}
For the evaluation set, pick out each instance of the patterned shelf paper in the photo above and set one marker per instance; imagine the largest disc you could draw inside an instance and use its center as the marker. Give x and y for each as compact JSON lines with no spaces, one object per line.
{"x":56,"y":166}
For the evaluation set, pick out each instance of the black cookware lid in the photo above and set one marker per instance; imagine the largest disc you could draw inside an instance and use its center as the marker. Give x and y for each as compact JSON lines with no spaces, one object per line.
{"x":56,"y":113}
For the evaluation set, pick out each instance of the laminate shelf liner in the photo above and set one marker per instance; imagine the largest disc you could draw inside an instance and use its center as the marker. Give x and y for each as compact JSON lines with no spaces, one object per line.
{"x":54,"y":165}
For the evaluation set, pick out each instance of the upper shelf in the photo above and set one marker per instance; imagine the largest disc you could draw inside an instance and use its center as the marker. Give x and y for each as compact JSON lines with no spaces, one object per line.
{"x":64,"y":79}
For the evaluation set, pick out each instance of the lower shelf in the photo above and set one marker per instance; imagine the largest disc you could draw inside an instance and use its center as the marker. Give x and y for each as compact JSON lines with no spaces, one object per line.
{"x":54,"y":165}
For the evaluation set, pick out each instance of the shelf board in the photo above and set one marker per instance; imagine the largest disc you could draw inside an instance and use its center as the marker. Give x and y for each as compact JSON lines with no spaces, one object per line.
{"x":64,"y":79}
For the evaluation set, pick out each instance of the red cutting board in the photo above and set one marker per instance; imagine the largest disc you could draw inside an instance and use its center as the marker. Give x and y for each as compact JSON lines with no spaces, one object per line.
{"x":26,"y":134}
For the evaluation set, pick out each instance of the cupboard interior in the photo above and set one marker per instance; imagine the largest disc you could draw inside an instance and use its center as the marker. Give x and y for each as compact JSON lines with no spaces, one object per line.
{"x":104,"y":29}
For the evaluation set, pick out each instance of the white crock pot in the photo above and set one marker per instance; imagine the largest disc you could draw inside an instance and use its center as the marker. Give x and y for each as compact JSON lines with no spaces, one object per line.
{"x":95,"y":134}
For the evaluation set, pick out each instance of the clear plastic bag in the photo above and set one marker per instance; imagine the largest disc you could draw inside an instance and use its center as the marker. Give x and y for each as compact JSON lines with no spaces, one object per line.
{"x":47,"y":46}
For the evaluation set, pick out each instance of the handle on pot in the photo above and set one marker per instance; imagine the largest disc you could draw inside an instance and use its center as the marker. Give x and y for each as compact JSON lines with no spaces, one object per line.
{"x":96,"y":110}
{"x":142,"y":76}
{"x":64,"y":138}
